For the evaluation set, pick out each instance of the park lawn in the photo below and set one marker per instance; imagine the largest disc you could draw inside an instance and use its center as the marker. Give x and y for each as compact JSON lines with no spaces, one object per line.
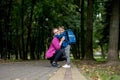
{"x":95,"y":70}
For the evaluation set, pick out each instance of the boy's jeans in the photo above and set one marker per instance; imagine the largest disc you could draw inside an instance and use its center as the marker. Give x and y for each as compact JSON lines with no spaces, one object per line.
{"x":67,"y":52}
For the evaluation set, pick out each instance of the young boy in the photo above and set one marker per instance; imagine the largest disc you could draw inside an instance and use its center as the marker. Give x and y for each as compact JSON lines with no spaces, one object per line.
{"x":65,"y":45}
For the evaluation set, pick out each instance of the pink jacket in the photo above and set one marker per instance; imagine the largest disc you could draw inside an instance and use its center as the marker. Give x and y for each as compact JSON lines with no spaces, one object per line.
{"x":53,"y":47}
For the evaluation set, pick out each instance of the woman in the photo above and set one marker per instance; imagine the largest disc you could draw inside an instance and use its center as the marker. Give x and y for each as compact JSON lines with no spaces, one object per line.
{"x":55,"y":52}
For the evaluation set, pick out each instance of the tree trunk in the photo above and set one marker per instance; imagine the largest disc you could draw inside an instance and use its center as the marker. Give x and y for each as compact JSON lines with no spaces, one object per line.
{"x":114,"y":32}
{"x":17,"y":45}
{"x":23,"y":55}
{"x":32,"y":49}
{"x":43,"y":42}
{"x":75,"y":49}
{"x":82,"y":30}
{"x":1,"y":40}
{"x":89,"y":33}
{"x":102,"y":51}
{"x":29,"y":31}
{"x":32,"y":55}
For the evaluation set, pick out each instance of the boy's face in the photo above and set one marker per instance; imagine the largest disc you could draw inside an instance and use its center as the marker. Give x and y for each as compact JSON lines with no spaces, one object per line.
{"x":61,"y":30}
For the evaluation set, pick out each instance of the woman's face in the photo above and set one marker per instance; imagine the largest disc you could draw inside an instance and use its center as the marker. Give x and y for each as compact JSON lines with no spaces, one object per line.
{"x":56,"y":31}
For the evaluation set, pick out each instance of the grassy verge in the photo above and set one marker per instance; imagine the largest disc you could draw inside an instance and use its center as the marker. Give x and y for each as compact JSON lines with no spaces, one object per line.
{"x":95,"y":70}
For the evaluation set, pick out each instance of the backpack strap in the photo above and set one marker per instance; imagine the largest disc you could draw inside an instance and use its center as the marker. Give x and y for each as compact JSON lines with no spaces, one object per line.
{"x":66,"y":32}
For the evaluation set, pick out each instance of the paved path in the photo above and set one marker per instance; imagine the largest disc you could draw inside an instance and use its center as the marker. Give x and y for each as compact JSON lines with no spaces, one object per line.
{"x":68,"y":74}
{"x":37,"y":70}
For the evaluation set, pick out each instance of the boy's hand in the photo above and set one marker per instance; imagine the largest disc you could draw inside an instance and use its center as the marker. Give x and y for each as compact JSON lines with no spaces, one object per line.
{"x":63,"y":38}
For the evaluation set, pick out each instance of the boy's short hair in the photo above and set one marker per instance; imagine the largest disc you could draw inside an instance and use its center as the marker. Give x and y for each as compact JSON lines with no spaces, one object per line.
{"x":61,"y":27}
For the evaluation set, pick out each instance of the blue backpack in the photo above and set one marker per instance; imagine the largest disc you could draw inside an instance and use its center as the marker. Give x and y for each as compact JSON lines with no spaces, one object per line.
{"x":71,"y":36}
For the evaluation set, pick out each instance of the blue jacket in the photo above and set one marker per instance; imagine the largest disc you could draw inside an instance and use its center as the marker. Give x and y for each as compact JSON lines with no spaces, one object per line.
{"x":65,"y":43}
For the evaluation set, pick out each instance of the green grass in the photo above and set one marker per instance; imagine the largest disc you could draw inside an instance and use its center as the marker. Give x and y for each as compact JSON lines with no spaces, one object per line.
{"x":108,"y":73}
{"x":97,"y":70}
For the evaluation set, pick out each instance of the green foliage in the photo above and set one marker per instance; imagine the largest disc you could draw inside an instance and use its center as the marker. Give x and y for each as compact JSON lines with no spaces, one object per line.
{"x":101,"y":27}
{"x":48,"y":14}
{"x":57,"y":12}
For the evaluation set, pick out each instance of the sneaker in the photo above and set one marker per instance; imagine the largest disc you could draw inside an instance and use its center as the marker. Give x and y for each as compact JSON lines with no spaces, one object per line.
{"x":54,"y":64}
{"x":66,"y":66}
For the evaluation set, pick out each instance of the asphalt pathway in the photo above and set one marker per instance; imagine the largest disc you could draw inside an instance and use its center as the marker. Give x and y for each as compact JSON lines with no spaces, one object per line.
{"x":28,"y":70}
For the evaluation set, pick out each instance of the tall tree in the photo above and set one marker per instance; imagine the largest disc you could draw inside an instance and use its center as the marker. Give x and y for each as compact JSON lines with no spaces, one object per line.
{"x":76,"y":48}
{"x":82,"y":30}
{"x":28,"y":43}
{"x":89,"y":33}
{"x":23,"y":54}
{"x":114,"y":32}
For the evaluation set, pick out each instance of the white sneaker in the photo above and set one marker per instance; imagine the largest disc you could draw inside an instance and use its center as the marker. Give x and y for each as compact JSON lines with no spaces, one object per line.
{"x":66,"y":66}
